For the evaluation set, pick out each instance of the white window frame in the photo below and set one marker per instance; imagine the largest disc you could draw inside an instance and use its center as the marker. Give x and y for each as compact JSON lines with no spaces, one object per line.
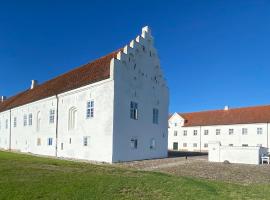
{"x":259,"y":131}
{"x":231,"y":131}
{"x":185,"y":133}
{"x":134,"y":143}
{"x":134,"y":110}
{"x":195,"y":132}
{"x":24,"y":120}
{"x":90,"y":109}
{"x":244,"y":131}
{"x":218,"y":131}
{"x":51,"y":116}
{"x":155,"y":115}
{"x":175,"y":133}
{"x":206,"y":132}
{"x":30,"y":119}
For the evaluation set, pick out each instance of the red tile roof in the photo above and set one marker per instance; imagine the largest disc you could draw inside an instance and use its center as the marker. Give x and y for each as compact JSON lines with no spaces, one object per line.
{"x":247,"y":115}
{"x":89,"y":73}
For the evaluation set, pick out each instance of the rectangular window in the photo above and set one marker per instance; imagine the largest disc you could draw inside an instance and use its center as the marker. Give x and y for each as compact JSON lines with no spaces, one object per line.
{"x":230,"y":131}
{"x":15,"y":122}
{"x":62,"y":146}
{"x":175,"y":133}
{"x":217,"y":131}
{"x":185,"y":132}
{"x":6,"y":124}
{"x":206,"y":132}
{"x":259,"y":131}
{"x":195,"y":132}
{"x":175,"y":146}
{"x":90,"y":109}
{"x":38,"y":142}
{"x":52,"y":115}
{"x":86,"y":140}
{"x":134,"y":143}
{"x":25,"y":120}
{"x":184,"y":144}
{"x":133,"y":110}
{"x":205,"y":145}
{"x":244,"y":145}
{"x":153,"y":144}
{"x":230,"y":145}
{"x":155,"y":116}
{"x":50,"y":141}
{"x":244,"y":131}
{"x":30,"y":119}
{"x":194,"y":144}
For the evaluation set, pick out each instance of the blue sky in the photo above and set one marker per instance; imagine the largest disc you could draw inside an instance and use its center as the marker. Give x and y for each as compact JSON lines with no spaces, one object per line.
{"x":213,"y":53}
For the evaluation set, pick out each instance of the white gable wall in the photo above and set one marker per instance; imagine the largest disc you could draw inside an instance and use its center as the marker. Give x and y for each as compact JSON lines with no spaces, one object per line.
{"x":138,"y":78}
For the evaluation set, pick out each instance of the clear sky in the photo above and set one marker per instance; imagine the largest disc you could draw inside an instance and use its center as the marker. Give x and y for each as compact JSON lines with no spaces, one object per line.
{"x":213,"y":53}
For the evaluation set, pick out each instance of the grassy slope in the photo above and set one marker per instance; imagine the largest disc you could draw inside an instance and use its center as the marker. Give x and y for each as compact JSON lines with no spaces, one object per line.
{"x":29,"y":177}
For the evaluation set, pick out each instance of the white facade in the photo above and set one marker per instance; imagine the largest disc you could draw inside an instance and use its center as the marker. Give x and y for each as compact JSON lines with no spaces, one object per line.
{"x":61,"y":125}
{"x":196,"y":138}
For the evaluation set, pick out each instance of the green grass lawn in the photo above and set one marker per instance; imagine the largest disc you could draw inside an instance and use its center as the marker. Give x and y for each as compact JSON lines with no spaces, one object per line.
{"x":30,"y":177}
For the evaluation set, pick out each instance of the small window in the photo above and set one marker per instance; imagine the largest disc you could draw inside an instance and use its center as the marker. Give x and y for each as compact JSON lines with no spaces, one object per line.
{"x":25,"y":120}
{"x":244,"y":145}
{"x":206,"y":132}
{"x":153,"y":144}
{"x":62,"y":146}
{"x":134,"y":143}
{"x":194,"y":144}
{"x":86,"y":140}
{"x":38,"y":142}
{"x":6,"y":124}
{"x":195,"y":132}
{"x":206,"y":145}
{"x":70,"y":141}
{"x":30,"y":119}
{"x":259,"y":131}
{"x":184,"y":144}
{"x":244,"y":131}
{"x":155,"y":116}
{"x":185,"y":132}
{"x":175,"y":146}
{"x":230,"y":131}
{"x":230,"y":145}
{"x":15,"y":122}
{"x":50,"y":141}
{"x":52,"y":116}
{"x":175,"y":133}
{"x":217,"y":131}
{"x":133,"y":110}
{"x":90,"y":109}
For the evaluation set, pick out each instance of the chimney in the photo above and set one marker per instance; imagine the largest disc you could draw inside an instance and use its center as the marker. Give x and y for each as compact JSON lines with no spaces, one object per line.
{"x":34,"y":83}
{"x":226,"y":108}
{"x":3,"y":98}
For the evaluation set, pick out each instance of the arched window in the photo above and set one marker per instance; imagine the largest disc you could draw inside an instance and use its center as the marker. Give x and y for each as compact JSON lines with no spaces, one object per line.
{"x":38,"y":121}
{"x":72,"y":118}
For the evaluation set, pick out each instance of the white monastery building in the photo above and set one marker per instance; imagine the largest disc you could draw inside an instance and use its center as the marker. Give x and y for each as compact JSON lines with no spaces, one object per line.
{"x":112,"y":109}
{"x":239,"y":127}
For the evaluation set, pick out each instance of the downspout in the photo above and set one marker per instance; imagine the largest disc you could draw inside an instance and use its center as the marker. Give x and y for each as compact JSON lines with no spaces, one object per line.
{"x":9,"y":130}
{"x":56,"y":125}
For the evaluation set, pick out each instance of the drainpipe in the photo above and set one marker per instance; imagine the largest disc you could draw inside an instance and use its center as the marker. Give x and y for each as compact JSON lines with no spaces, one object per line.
{"x":56,"y":124}
{"x":9,"y":130}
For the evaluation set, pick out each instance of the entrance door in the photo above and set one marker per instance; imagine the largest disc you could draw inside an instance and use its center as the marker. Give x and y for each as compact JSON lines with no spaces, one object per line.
{"x":175,"y":146}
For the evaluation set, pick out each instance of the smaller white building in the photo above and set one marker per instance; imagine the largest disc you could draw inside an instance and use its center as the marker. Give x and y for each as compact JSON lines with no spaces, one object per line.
{"x":239,"y":127}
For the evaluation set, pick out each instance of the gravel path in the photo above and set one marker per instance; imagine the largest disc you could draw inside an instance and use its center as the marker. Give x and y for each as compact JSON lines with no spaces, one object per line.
{"x":198,"y":166}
